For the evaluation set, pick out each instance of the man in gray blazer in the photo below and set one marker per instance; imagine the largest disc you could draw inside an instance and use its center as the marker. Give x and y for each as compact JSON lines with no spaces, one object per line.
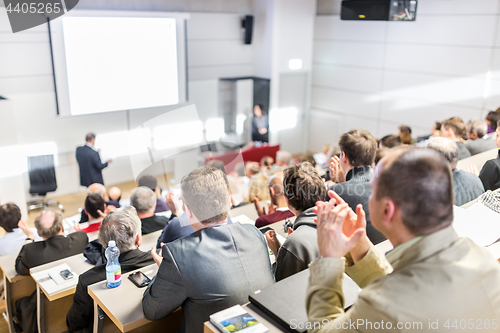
{"x":478,"y":141}
{"x":215,"y":267}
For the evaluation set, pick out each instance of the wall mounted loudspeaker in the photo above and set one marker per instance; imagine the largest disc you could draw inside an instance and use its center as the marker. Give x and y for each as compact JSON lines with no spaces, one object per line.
{"x":247,"y":24}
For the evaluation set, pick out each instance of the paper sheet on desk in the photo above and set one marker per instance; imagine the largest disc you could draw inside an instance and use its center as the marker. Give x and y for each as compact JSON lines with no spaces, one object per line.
{"x":52,"y":286}
{"x":478,"y":223}
{"x":243,"y":219}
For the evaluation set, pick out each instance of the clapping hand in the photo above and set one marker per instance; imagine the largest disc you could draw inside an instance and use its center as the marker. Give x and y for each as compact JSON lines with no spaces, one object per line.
{"x":260,"y":211}
{"x":340,"y":230}
{"x":336,"y":173}
{"x":169,"y":199}
{"x":273,"y":242}
{"x":157,"y":257}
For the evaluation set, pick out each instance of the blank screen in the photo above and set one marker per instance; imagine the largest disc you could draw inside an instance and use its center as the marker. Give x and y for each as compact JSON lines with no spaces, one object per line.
{"x":117,"y":63}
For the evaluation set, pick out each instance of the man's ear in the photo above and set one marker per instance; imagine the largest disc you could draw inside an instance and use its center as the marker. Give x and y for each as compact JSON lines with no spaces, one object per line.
{"x":271,"y":191}
{"x":138,"y":240}
{"x":390,"y":209}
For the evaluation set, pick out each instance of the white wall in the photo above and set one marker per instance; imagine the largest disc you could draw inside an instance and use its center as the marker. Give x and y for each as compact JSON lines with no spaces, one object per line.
{"x":379,"y":75}
{"x":215,"y":49}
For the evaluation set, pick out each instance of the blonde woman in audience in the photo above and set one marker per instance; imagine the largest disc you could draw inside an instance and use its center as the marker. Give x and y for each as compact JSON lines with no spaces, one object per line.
{"x":258,"y":188}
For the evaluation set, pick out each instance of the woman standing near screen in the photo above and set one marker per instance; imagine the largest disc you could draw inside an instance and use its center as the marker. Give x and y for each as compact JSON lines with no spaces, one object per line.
{"x":260,"y":125}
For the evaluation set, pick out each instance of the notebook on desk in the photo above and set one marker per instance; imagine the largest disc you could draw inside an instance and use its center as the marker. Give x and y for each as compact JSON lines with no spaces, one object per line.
{"x":285,"y":301}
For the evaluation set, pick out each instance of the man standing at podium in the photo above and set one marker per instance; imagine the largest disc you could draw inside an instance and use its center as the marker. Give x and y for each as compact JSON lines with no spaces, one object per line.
{"x":90,"y":163}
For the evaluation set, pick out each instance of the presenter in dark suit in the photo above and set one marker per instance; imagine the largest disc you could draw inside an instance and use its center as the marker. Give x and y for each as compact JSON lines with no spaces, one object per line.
{"x":90,"y":163}
{"x":260,"y":125}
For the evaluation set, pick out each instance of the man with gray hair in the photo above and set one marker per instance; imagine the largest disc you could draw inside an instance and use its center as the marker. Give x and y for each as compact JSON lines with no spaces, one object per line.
{"x":124,"y":227}
{"x":215,"y":267}
{"x":478,"y":139}
{"x":466,"y":185}
{"x":143,"y":199}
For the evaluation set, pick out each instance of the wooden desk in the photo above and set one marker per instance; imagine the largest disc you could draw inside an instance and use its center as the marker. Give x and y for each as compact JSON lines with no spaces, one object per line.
{"x":15,"y":286}
{"x":478,"y":160}
{"x":113,"y":315}
{"x":248,"y":210}
{"x":52,"y":308}
{"x":150,"y":240}
{"x":261,"y":317}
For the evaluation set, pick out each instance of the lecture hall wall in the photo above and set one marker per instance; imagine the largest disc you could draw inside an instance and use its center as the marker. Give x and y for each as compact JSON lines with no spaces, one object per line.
{"x":379,"y":75}
{"x":215,"y":49}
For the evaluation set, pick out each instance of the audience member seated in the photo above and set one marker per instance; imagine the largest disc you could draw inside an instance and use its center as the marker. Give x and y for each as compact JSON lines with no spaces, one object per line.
{"x":478,"y":139}
{"x":109,"y":204}
{"x":17,"y":230}
{"x":258,"y":187}
{"x":266,"y":164}
{"x":432,"y":277}
{"x":435,"y":132}
{"x":214,"y":268}
{"x":352,"y":173}
{"x":404,"y":133}
{"x":390,"y":141}
{"x":144,"y":202}
{"x":466,"y":185}
{"x":94,"y":208}
{"x":321,"y":158}
{"x":278,"y":207}
{"x":115,"y":195}
{"x":380,"y":153}
{"x":54,"y":246}
{"x":303,"y":187}
{"x":152,"y":183}
{"x":454,"y":128}
{"x":124,"y":227}
{"x":490,"y":173}
{"x":283,"y":158}
{"x":492,"y":119}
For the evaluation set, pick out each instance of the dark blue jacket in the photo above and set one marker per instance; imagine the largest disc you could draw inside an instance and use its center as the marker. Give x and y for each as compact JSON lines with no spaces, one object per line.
{"x":90,"y":165}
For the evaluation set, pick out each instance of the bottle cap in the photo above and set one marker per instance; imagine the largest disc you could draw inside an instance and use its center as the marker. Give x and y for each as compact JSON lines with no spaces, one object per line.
{"x":111,"y":243}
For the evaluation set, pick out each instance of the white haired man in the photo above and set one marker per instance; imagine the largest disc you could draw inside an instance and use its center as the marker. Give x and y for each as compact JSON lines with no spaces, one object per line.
{"x":124,"y":227}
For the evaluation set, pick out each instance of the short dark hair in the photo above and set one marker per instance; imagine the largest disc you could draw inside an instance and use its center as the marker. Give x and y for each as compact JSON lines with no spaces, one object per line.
{"x":89,"y":137}
{"x":420,"y":182}
{"x":93,"y":203}
{"x":359,"y":146}
{"x":438,"y":125}
{"x":390,"y":141}
{"x":303,"y":186}
{"x":148,"y":181}
{"x":10,"y":214}
{"x":405,"y":129}
{"x":381,"y":152}
{"x":493,"y":117}
{"x":456,"y":124}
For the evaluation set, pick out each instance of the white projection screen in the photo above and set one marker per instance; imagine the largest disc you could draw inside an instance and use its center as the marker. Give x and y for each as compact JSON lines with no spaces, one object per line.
{"x":115,"y":61}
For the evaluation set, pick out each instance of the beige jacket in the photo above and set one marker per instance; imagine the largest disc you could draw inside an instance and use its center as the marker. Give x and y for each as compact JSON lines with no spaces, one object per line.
{"x":441,"y":283}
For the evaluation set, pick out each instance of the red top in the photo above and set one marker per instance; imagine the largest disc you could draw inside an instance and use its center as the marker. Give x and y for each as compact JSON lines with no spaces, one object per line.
{"x":93,"y":227}
{"x":277,"y":216}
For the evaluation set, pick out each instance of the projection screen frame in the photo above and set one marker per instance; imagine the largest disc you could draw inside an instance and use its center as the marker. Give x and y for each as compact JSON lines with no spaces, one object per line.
{"x":182,"y":56}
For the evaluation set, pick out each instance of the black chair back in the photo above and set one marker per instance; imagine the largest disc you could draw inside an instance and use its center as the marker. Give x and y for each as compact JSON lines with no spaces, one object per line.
{"x":42,"y":174}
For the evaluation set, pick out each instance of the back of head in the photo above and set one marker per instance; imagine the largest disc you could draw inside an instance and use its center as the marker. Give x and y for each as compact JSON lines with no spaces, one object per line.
{"x":390,"y":141}
{"x":93,"y":203}
{"x":10,"y":214}
{"x":419,"y":182}
{"x":121,"y":225}
{"x":115,"y":193}
{"x":252,"y":168}
{"x":445,"y":146}
{"x":381,"y":152}
{"x":49,"y":223}
{"x":205,"y":192}
{"x":217,"y":165}
{"x":404,"y":129}
{"x":276,"y":182}
{"x":148,"y":181}
{"x":259,"y":187}
{"x":478,"y":126}
{"x":283,"y":157}
{"x":493,"y":117}
{"x":97,"y":188}
{"x":90,"y":137}
{"x":456,"y":124}
{"x":303,"y":186}
{"x":143,"y":199}
{"x":359,"y":146}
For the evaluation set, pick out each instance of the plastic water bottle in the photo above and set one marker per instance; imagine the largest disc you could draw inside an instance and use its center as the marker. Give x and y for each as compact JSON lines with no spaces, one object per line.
{"x":113,"y":268}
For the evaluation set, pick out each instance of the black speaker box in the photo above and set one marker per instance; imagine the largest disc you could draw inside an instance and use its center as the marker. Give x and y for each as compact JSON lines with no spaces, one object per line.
{"x":247,"y":24}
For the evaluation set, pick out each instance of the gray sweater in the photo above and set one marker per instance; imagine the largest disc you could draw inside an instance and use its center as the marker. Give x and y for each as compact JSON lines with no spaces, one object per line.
{"x":467,"y":187}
